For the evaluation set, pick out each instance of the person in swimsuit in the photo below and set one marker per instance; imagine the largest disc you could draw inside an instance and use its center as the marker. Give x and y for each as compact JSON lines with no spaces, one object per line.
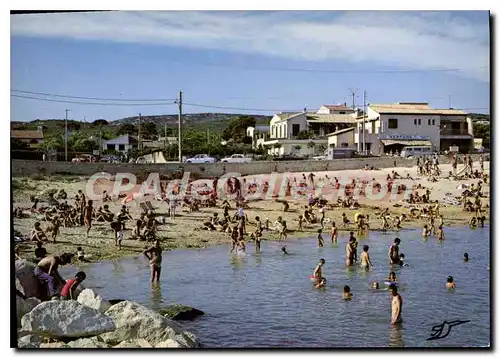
{"x":37,"y":233}
{"x":347,"y":293}
{"x":450,"y":283}
{"x":365,"y":258}
{"x":350,"y":251}
{"x":394,"y":252}
{"x":318,"y":273}
{"x":68,"y":291}
{"x":154,"y":256}
{"x":334,"y":233}
{"x":87,"y":216}
{"x":47,"y":272}
{"x":283,"y":249}
{"x":321,"y":283}
{"x":301,"y":221}
{"x":396,"y":305}
{"x":392,"y":277}
{"x":440,"y":233}
{"x":375,"y":285}
{"x":320,"y":239}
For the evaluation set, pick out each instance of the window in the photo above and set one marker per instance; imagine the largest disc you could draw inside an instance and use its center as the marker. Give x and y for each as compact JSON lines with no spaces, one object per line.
{"x":419,"y":122}
{"x":295,"y":129}
{"x":121,"y":146}
{"x":393,"y":123}
{"x":344,"y":145}
{"x":433,"y":122}
{"x":428,"y":122}
{"x":373,"y":127}
{"x":415,"y":121}
{"x":368,"y":146}
{"x":341,"y":112}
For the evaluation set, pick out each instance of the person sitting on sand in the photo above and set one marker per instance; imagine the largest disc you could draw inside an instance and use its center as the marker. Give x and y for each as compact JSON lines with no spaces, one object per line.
{"x":68,"y":291}
{"x":345,"y":220}
{"x":40,"y":251}
{"x":105,"y":197}
{"x":61,"y":195}
{"x":450,"y":283}
{"x":37,"y":234}
{"x":347,"y":293}
{"x":481,"y":220}
{"x":80,"y":254}
{"x":397,"y":223}
{"x":321,"y":283}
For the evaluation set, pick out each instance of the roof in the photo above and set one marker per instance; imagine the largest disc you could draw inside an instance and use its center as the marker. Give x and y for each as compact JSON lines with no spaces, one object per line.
{"x":330,"y":118}
{"x":20,"y":134}
{"x":341,"y":131}
{"x":413,"y":108}
{"x":124,"y":139}
{"x":261,"y":128}
{"x":287,"y":115}
{"x":336,"y":107}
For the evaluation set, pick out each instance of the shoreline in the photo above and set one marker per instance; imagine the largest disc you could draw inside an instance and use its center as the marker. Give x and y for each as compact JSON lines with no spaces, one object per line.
{"x":183,"y":231}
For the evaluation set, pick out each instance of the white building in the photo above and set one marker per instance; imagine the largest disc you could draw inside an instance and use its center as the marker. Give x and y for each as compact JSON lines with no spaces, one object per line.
{"x":259,"y":135}
{"x":335,"y":109}
{"x":296,"y":147}
{"x":390,"y":127}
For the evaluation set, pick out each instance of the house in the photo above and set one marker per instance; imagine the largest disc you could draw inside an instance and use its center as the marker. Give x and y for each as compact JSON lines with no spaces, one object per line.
{"x":259,"y":135}
{"x":335,"y":109}
{"x":32,"y":138}
{"x":122,"y":144}
{"x":390,"y":127}
{"x":341,"y":143}
{"x":296,"y":147}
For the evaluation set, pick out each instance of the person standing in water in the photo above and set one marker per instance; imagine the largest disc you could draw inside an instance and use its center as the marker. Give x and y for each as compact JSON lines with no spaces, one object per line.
{"x":153,"y":255}
{"x":394,"y":252}
{"x":450,"y":283}
{"x":350,"y":252}
{"x":440,"y":233}
{"x":334,"y":233}
{"x":365,"y":258}
{"x":466,"y":257}
{"x":320,"y":239}
{"x":396,"y":305}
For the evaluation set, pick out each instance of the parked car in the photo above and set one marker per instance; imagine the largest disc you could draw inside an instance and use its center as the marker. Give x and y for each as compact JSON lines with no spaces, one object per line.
{"x":83,"y":158}
{"x":236,"y":158}
{"x":201,"y":158}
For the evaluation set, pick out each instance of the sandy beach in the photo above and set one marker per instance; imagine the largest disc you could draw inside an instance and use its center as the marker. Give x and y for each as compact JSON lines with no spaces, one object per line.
{"x":184,"y":231}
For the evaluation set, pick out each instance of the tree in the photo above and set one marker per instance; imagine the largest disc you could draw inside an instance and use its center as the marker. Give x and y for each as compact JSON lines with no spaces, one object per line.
{"x":322,"y":148}
{"x":53,"y":142}
{"x":237,"y":129}
{"x":482,"y":131}
{"x":148,"y":130}
{"x":127,"y":128}
{"x":16,"y":143}
{"x":99,"y":122}
{"x":306,"y":134}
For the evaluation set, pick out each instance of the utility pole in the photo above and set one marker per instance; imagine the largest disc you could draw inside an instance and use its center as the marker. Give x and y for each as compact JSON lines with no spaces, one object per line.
{"x":179,"y":102}
{"x":139,"y":135}
{"x":208,"y":136}
{"x":165,"y":140}
{"x":66,"y":135}
{"x":352,"y":92}
{"x":363,"y":126}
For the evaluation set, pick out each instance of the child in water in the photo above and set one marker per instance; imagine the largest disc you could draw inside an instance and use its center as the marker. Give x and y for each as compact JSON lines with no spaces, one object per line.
{"x":449,"y":282}
{"x":317,"y":273}
{"x":68,"y":291}
{"x":392,"y":277}
{"x":375,"y":285}
{"x":365,"y":258}
{"x":440,"y":233}
{"x":321,"y":283}
{"x":347,"y":293}
{"x":401,"y":260}
{"x":320,"y":239}
{"x":283,"y":249}
{"x":334,"y":233}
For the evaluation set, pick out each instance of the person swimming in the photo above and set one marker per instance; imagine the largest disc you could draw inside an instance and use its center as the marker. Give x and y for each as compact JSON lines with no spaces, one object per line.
{"x":466,"y":257}
{"x":401,"y":260}
{"x":392,"y":277}
{"x":375,"y":285}
{"x":347,"y":293}
{"x":449,"y":282}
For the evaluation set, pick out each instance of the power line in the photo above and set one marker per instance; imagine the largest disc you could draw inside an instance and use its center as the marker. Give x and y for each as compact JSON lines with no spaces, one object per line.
{"x":95,"y":98}
{"x":91,"y":103}
{"x":239,"y":109}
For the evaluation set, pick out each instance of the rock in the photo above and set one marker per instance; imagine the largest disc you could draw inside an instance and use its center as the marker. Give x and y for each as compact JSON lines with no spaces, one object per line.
{"x":66,"y":319}
{"x":27,"y":279}
{"x":93,"y":342}
{"x":54,"y":345}
{"x":29,"y":341}
{"x":135,"y":343}
{"x":88,"y":298}
{"x":134,"y":321}
{"x":19,"y":287}
{"x":115,"y":301}
{"x":180,"y":312}
{"x":170,"y":343}
{"x":25,"y":306}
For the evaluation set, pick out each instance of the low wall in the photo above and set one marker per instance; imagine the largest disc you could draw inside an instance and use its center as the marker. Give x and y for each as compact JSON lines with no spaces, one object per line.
{"x":29,"y":167}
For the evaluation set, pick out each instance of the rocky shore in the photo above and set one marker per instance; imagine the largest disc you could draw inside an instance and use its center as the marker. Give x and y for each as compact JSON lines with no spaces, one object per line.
{"x":93,"y":322}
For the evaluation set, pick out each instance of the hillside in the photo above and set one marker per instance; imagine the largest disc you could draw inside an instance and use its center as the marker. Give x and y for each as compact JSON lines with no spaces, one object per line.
{"x":216,"y":122}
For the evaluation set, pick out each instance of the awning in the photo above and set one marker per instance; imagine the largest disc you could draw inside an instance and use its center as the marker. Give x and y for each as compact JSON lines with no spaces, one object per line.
{"x":406,"y":142}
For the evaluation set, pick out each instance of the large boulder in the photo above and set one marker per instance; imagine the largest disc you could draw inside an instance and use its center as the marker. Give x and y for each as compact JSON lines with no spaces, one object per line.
{"x":180,"y":312}
{"x":25,"y":306}
{"x":92,"y":342}
{"x":29,"y":341}
{"x":134,"y":321}
{"x":60,"y":319}
{"x":53,"y":345}
{"x":89,"y":298}
{"x":27,"y":279}
{"x":170,"y":343}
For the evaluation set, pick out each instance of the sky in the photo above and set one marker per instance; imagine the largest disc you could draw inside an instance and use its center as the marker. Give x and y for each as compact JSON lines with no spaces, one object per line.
{"x":256,"y":62}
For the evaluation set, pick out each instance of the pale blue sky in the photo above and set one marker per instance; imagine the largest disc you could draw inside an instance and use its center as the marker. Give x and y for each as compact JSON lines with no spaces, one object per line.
{"x":257,"y":60}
